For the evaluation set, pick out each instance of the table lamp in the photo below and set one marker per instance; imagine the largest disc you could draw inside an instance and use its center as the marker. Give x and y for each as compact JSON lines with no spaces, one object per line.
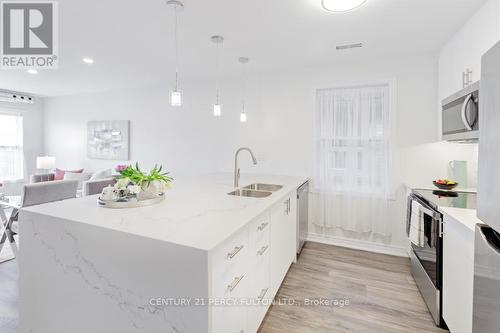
{"x":45,"y":163}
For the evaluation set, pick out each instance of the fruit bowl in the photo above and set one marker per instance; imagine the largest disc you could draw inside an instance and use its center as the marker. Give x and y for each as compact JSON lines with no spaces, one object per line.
{"x":445,"y":186}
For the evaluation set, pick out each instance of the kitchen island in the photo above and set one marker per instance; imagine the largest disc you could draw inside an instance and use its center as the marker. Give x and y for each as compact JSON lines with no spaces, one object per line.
{"x":200,"y":261}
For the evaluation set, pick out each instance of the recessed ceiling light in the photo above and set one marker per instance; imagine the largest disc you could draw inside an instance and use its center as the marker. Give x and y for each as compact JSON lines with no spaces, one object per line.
{"x":32,"y":71}
{"x":341,"y":5}
{"x":88,"y":60}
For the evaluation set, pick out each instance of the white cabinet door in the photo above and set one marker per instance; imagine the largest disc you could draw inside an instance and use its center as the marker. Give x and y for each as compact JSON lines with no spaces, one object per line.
{"x":466,"y":47}
{"x":259,"y":272}
{"x":458,"y":275}
{"x":278,"y":246}
{"x":283,"y":240}
{"x":291,"y":227}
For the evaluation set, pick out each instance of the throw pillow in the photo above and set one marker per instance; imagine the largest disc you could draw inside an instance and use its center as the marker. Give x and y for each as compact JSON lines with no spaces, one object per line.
{"x":59,"y":174}
{"x":81,"y":177}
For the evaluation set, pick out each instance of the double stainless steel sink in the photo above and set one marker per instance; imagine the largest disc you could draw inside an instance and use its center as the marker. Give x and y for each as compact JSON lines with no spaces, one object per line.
{"x":264,"y":187}
{"x":257,"y":190}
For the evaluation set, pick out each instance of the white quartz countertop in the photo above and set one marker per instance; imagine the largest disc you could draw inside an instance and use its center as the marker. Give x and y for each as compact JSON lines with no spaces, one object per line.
{"x":431,"y":186}
{"x":468,"y":217}
{"x":197,"y":212}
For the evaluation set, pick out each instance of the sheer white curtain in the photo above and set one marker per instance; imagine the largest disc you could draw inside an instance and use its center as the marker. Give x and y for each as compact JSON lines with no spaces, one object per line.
{"x":11,"y":147}
{"x":353,"y":158}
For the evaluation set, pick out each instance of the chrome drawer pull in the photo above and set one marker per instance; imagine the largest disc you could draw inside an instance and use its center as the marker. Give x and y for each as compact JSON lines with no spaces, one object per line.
{"x":262,"y":250}
{"x":262,"y":294}
{"x":262,"y":226}
{"x":235,"y":283}
{"x":237,"y":249}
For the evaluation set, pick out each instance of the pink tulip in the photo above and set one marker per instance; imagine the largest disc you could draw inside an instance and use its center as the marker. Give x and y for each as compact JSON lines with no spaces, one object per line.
{"x":120,"y":168}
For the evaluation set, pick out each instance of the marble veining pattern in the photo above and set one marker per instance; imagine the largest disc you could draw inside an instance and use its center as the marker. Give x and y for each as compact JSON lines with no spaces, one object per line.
{"x":128,"y":301}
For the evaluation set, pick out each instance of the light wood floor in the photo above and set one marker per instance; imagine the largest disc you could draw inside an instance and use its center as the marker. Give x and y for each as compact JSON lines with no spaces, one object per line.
{"x":8,"y":297}
{"x":381,"y":291}
{"x":382,"y":295}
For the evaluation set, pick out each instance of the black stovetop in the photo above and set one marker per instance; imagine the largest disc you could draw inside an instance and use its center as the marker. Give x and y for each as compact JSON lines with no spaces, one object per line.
{"x":440,"y":198}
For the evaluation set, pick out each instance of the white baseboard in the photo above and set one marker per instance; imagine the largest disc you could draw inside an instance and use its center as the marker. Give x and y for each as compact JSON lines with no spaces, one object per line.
{"x":359,"y":245}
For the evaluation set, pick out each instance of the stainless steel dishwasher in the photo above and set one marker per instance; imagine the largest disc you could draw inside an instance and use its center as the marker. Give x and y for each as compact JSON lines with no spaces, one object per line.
{"x":302,"y":215}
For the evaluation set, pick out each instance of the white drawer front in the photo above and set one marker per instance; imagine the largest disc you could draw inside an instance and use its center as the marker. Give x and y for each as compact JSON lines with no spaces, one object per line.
{"x":228,"y":319}
{"x":259,"y":231}
{"x":259,"y":292}
{"x":230,"y":286}
{"x":231,"y":257}
{"x":229,"y":315}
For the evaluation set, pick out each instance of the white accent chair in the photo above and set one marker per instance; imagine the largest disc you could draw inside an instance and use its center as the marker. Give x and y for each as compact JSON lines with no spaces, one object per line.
{"x":88,"y":187}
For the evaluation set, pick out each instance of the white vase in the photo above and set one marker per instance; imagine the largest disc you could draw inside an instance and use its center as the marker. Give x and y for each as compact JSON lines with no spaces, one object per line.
{"x":152,"y":191}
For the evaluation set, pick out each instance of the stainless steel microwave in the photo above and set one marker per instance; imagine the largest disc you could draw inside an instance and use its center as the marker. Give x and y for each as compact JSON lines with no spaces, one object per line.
{"x":461,"y":115}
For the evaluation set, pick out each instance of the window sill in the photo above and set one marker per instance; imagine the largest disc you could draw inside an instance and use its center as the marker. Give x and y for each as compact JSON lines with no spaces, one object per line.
{"x":388,"y":197}
{"x":12,"y":181}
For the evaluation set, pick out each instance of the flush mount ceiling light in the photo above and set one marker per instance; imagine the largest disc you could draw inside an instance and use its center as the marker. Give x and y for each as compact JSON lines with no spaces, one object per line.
{"x":32,"y":71}
{"x":88,"y":60}
{"x":175,"y":94}
{"x":217,"y":107}
{"x":349,"y":46}
{"x":243,"y":61}
{"x":341,"y":5}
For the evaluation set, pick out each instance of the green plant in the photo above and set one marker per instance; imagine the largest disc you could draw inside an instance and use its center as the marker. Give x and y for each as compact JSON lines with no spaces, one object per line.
{"x":137,"y":177}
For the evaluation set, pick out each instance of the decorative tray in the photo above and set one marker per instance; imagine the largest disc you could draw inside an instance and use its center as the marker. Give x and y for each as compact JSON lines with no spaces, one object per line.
{"x":130,"y":202}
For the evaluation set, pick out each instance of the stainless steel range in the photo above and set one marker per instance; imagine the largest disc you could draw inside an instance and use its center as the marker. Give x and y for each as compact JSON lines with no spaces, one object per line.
{"x":424,"y":228}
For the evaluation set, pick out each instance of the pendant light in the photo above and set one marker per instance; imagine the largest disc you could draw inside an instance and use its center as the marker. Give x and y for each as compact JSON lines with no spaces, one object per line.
{"x":217,"y":107}
{"x":175,"y":94}
{"x":243,"y":115}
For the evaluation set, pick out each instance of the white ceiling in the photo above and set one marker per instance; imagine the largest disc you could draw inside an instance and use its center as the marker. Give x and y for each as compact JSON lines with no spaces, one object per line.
{"x":131,"y":40}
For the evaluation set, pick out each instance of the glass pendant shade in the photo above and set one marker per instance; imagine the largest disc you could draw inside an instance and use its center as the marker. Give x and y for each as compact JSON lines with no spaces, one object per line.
{"x":243,"y":117}
{"x":175,"y":94}
{"x":217,"y":110}
{"x":176,"y":98}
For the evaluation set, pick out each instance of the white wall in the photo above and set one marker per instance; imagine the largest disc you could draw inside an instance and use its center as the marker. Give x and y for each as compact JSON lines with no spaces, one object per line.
{"x":33,"y":137}
{"x":465,"y":48}
{"x":280,"y":126}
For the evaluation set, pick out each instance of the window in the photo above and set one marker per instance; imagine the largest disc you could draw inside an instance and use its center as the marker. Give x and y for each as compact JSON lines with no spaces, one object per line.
{"x":353,"y":140}
{"x":11,"y":147}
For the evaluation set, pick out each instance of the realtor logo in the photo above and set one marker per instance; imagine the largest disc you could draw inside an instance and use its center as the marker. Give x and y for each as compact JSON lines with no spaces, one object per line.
{"x":29,"y":37}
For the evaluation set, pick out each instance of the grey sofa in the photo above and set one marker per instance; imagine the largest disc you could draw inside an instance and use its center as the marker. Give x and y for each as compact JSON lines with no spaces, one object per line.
{"x":45,"y":177}
{"x":89,"y":187}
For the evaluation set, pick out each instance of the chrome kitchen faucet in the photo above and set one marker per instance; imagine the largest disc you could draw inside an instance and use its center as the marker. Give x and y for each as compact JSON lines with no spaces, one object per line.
{"x":236,"y":169}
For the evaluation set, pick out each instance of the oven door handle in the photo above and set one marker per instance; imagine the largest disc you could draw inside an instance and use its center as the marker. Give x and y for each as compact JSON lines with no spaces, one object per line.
{"x":440,"y":228}
{"x":422,"y":209}
{"x":429,"y":212}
